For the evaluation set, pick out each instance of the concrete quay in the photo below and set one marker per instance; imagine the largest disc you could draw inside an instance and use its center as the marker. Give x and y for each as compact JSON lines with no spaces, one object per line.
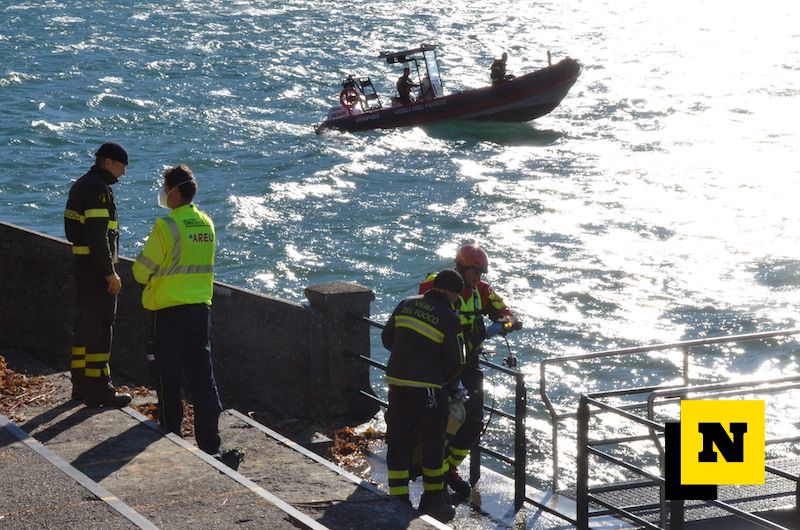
{"x":69,"y":466}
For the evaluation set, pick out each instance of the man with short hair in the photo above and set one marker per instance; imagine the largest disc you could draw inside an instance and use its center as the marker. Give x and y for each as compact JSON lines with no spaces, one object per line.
{"x":404,"y":86}
{"x":91,"y":225}
{"x":177,"y":268}
{"x":424,"y":338}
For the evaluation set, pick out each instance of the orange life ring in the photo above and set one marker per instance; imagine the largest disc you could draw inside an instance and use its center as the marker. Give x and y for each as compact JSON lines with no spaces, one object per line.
{"x":348,"y":97}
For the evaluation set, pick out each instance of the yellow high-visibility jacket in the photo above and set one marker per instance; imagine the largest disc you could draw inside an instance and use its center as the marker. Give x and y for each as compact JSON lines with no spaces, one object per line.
{"x":177,"y":262}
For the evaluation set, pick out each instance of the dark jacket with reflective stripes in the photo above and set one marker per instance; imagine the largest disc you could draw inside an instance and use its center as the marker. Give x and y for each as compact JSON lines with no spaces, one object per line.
{"x":90,"y":220}
{"x":425,"y":339}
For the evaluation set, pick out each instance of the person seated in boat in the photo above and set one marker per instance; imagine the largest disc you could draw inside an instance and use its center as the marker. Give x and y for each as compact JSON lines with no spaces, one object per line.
{"x":498,"y":70}
{"x":404,"y":86}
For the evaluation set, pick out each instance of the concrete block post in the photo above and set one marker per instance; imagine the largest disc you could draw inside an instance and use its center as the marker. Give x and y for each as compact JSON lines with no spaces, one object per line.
{"x":337,"y":376}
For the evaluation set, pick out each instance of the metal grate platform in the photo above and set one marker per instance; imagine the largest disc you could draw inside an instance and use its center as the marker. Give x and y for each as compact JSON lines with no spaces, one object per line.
{"x":777,"y":495}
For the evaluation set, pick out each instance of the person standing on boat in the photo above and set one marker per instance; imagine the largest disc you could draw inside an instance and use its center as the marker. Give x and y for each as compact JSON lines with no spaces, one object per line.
{"x":477,"y":299}
{"x":424,"y":337}
{"x":90,"y":224}
{"x":498,"y":70}
{"x":404,"y":87}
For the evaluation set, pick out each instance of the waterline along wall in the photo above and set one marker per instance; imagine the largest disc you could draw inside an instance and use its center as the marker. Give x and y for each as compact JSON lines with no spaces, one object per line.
{"x":283,"y":358}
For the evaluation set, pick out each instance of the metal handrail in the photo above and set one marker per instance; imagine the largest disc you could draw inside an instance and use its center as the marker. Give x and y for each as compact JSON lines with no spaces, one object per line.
{"x":518,"y":461}
{"x":685,"y":346}
{"x":715,"y":390}
{"x":722,"y":390}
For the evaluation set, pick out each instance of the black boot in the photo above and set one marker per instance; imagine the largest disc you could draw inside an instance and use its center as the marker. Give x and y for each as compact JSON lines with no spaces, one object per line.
{"x":403,"y":499}
{"x":103,"y":394}
{"x":78,"y":377}
{"x":459,"y":486}
{"x":230,"y":457}
{"x":435,"y":504}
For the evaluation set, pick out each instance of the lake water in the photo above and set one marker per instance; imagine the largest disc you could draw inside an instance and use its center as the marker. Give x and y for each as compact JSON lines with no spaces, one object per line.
{"x":657,"y":203}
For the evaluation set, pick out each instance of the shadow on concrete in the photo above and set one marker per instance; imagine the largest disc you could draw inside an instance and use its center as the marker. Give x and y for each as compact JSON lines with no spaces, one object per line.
{"x":44,"y":417}
{"x":57,"y":428}
{"x":365,"y":506}
{"x":113,"y":453}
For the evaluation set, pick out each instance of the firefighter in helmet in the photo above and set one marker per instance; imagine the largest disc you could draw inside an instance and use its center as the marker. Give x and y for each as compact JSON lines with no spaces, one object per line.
{"x":477,"y":299}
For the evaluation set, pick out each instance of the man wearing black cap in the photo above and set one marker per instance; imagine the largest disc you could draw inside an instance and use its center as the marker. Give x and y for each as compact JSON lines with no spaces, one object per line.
{"x":427,"y":352}
{"x":90,"y":223}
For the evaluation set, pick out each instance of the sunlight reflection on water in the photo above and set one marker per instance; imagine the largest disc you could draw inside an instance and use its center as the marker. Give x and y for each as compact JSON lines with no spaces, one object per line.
{"x":657,"y":203}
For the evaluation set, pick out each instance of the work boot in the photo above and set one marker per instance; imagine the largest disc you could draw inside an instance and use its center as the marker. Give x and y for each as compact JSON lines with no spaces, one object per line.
{"x":435,"y":504}
{"x":231,"y":458}
{"x":403,"y":499}
{"x":78,"y":378}
{"x":103,"y":394}
{"x":459,"y":486}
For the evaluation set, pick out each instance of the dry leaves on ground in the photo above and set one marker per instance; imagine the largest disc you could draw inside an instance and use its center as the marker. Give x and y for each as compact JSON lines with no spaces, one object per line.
{"x":18,"y":391}
{"x":350,"y":447}
{"x":151,"y":411}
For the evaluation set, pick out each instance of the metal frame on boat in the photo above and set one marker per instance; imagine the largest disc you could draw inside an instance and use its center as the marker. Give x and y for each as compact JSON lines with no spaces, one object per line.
{"x":519,"y":99}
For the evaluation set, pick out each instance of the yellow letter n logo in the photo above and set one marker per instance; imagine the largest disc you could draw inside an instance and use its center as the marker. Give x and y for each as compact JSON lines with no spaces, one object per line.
{"x":722,"y":442}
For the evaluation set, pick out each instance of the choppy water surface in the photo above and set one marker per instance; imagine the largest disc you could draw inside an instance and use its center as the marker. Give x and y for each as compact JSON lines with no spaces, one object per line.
{"x":657,"y":203}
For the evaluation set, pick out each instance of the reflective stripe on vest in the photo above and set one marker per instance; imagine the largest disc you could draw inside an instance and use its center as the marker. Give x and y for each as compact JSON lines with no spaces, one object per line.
{"x":424,"y":329}
{"x":396,"y":381}
{"x":182,"y":272}
{"x":74,"y":216}
{"x":96,"y":212}
{"x":470,"y":309}
{"x":175,"y":267}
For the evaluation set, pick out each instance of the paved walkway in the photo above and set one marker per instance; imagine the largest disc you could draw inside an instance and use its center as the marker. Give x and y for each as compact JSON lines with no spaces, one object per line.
{"x":68,"y":466}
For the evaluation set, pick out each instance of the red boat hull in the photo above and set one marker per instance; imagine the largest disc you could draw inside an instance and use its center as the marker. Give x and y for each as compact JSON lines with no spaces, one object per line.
{"x":524,"y":98}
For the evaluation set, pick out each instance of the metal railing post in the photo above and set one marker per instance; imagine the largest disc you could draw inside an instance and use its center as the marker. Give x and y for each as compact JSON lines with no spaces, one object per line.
{"x":582,"y":489}
{"x":474,"y":465}
{"x":676,"y":514}
{"x":520,"y":445}
{"x":553,"y":420}
{"x":555,"y":453}
{"x":686,"y":366}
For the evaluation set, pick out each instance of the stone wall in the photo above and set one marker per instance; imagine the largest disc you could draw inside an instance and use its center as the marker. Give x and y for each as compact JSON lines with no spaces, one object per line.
{"x":286,"y":359}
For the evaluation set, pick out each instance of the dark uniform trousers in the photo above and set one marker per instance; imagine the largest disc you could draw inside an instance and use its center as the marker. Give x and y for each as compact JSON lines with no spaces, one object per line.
{"x":411,"y":414}
{"x":182,"y":346}
{"x":95,"y":310}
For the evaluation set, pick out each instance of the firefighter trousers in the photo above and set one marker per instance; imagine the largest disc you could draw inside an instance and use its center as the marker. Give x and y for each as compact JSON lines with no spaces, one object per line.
{"x":95,"y":311}
{"x":415,"y":412}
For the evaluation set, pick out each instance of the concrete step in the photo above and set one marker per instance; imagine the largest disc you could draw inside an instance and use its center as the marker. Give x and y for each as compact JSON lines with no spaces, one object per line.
{"x":163,"y":478}
{"x":40,"y":489}
{"x":60,"y":462}
{"x":318,"y":488}
{"x":66,"y":465}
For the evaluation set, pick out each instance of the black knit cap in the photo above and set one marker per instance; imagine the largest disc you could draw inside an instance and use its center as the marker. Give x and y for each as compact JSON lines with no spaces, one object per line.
{"x":449,"y":280}
{"x":114,"y":152}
